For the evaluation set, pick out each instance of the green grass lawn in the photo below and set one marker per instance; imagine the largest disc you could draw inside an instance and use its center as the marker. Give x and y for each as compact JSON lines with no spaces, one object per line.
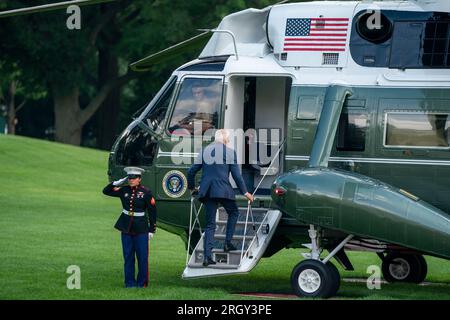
{"x":53,"y":215}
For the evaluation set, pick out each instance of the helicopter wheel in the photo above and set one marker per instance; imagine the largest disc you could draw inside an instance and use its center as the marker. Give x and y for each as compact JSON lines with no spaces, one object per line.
{"x":336,"y":278}
{"x":398,"y":267}
{"x":312,"y":278}
{"x":423,"y":268}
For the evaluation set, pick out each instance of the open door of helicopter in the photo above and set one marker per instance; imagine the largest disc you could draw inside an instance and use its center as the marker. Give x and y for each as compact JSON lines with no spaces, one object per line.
{"x":258,"y":105}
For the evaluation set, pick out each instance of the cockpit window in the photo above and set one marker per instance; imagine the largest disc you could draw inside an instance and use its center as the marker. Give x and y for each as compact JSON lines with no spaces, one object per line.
{"x":137,"y":148}
{"x":155,"y":117}
{"x":197,"y":106}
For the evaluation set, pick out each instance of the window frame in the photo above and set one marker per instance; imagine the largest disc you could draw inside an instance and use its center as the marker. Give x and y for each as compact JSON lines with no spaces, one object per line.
{"x":386,"y":113}
{"x":157,"y":99}
{"x":180,"y":82}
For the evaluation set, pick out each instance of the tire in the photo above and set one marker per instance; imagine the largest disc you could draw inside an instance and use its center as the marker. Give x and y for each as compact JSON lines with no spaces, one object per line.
{"x":398,"y":267}
{"x":312,"y":278}
{"x":336,"y":279}
{"x":423,"y":268}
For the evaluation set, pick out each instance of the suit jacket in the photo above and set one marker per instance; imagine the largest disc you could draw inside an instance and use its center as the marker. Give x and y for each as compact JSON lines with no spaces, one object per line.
{"x":215,"y":181}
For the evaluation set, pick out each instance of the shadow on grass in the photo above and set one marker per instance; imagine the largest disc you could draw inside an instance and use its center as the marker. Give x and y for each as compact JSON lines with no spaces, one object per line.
{"x":279,"y":287}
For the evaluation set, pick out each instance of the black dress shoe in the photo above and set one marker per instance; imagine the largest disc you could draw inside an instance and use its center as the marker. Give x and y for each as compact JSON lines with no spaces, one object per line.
{"x":208,"y":261}
{"x":229,"y":247}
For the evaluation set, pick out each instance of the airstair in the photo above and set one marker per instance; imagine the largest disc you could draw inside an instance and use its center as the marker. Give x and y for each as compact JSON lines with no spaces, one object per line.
{"x":253,"y":232}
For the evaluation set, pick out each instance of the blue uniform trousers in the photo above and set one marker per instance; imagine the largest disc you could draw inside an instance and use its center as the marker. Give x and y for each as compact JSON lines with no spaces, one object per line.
{"x":232,"y":210}
{"x":135,"y":245}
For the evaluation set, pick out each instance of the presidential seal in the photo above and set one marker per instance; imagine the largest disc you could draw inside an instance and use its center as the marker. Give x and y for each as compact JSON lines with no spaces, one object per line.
{"x":174,"y":184}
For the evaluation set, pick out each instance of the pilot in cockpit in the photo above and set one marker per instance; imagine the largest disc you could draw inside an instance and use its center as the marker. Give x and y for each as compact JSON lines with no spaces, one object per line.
{"x":197,"y":106}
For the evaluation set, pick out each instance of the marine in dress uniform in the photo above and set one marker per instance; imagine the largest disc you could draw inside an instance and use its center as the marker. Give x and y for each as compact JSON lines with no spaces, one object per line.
{"x":137,"y":223}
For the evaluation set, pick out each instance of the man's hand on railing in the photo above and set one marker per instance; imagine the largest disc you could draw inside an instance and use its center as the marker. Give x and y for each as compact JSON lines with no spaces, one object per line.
{"x":249,"y":196}
{"x":194,"y":192}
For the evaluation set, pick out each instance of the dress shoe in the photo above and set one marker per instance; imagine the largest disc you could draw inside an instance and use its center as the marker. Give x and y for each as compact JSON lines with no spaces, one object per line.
{"x":229,"y":247}
{"x":208,"y":262}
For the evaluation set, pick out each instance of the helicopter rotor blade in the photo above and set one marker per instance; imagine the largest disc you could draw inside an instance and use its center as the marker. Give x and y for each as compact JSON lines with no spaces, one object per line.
{"x":146,"y":63}
{"x":49,"y":7}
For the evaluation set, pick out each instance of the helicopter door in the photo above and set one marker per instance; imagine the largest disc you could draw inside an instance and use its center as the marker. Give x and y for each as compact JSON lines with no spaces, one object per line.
{"x":191,"y":124}
{"x":258,"y":107}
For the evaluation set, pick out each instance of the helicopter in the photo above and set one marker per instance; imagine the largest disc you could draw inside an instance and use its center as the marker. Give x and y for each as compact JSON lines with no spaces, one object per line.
{"x":346,"y":105}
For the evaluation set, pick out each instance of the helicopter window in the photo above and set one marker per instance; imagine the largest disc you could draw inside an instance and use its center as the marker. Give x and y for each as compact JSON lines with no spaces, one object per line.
{"x":197,"y":106}
{"x":155,"y":117}
{"x":205,"y":66}
{"x":436,"y":48}
{"x":351,"y":134}
{"x":137,"y":148}
{"x":307,"y":108}
{"x":417,"y":130}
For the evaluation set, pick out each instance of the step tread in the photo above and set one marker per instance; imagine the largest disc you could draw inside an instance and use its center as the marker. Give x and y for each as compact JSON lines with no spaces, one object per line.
{"x":218,"y":243}
{"x":235,"y":237}
{"x":242,"y":219}
{"x":213,"y":266}
{"x":217,"y":250}
{"x":242,"y":223}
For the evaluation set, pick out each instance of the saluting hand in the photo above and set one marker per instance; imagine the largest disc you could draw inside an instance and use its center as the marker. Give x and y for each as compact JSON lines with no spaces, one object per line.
{"x":120,"y":182}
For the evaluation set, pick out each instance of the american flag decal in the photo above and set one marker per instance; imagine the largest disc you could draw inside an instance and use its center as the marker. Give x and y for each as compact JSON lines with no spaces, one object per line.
{"x":316,"y":34}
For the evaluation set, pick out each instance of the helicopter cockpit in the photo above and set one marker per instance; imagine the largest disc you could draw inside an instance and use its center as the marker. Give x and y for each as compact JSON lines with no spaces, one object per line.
{"x":138,"y":145}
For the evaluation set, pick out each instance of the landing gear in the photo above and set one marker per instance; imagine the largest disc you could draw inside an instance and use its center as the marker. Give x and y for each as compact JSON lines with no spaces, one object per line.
{"x":397,"y":267}
{"x":314,"y":277}
{"x":423,"y":269}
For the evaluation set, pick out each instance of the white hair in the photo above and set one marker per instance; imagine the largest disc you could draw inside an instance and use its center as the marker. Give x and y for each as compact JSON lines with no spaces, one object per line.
{"x":222,"y":136}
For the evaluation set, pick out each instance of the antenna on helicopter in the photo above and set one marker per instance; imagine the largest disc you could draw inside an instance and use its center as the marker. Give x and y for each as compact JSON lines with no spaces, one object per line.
{"x":146,"y":63}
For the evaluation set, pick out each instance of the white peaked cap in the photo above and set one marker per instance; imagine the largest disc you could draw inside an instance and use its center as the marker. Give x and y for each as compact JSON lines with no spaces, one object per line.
{"x":134,"y":170}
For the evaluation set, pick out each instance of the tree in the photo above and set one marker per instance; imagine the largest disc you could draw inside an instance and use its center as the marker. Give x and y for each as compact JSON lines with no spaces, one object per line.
{"x":84,"y":70}
{"x":64,"y":60}
{"x":11,"y":91}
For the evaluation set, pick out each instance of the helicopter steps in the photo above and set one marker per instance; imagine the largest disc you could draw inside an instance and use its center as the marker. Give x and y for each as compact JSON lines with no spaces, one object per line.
{"x":254,"y":244}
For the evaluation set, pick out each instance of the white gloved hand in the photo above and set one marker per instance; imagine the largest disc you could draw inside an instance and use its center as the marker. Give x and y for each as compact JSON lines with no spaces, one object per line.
{"x":120,"y":182}
{"x":150,"y":235}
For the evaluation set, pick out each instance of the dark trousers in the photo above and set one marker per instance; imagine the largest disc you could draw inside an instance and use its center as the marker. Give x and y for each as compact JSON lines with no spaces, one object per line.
{"x":232,"y":210}
{"x":135,"y":245}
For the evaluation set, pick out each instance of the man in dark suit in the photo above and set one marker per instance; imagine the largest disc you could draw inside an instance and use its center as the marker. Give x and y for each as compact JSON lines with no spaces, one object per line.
{"x":217,"y":161}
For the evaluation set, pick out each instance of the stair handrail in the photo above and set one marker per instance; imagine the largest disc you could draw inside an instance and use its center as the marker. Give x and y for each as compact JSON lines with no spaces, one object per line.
{"x":192,"y":225}
{"x":249,"y":207}
{"x":251,"y":243}
{"x":270,"y":166}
